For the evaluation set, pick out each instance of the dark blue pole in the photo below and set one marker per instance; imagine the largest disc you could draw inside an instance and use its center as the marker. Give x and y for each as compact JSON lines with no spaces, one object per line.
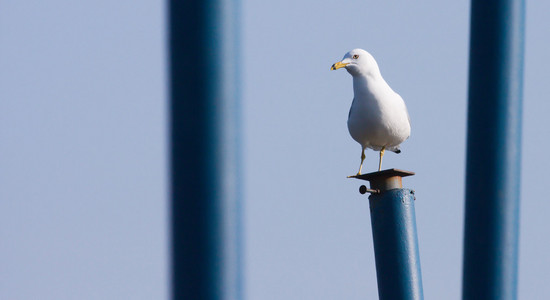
{"x":394,"y":236}
{"x":205,"y":163}
{"x":493,"y":150}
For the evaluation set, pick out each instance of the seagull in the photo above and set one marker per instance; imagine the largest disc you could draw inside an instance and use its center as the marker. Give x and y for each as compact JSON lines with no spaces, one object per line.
{"x":378,"y":118}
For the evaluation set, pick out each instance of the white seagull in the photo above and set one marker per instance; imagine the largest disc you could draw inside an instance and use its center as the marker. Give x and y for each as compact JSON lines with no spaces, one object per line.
{"x":378,"y":118}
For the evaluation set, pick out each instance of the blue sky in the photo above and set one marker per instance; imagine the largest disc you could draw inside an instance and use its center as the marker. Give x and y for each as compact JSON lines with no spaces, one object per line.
{"x":83,"y":169}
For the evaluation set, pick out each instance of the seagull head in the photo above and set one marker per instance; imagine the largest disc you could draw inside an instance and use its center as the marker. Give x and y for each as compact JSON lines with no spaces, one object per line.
{"x":357,"y":62}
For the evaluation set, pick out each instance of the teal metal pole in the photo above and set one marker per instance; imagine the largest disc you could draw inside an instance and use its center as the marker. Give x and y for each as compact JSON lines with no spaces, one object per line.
{"x":205,"y":150}
{"x":394,"y":235}
{"x":493,"y":149}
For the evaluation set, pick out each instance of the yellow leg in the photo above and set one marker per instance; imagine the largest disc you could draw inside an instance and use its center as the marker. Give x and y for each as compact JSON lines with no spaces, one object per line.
{"x":362,"y":159}
{"x":381,"y":155}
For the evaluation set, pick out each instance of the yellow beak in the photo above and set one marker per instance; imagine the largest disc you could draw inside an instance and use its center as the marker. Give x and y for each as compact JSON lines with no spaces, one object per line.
{"x":338,"y":65}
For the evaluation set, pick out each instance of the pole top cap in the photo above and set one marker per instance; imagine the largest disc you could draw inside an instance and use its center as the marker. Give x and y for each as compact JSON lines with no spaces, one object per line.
{"x":386,"y":179}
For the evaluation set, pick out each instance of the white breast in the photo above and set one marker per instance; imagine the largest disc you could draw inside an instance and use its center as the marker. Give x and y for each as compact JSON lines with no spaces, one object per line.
{"x":378,"y":116}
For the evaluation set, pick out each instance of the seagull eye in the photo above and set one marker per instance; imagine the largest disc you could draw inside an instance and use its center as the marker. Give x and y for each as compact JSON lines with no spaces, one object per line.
{"x":356,"y":56}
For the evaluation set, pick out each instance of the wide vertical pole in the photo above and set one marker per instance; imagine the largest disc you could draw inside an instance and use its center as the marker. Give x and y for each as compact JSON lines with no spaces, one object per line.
{"x":394,"y":236}
{"x":494,"y":149}
{"x":205,"y":172}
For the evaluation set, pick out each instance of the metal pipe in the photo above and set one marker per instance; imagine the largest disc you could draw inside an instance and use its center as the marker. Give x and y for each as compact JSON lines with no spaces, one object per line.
{"x":493,"y":149}
{"x":205,"y":161}
{"x":394,"y":236}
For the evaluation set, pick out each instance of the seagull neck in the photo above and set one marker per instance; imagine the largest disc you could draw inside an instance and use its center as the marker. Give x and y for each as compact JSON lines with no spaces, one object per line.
{"x":367,"y":83}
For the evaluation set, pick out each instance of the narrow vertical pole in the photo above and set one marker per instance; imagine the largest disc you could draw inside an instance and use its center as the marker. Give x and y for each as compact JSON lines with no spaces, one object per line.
{"x":205,"y":167}
{"x":394,"y":236}
{"x":493,"y":150}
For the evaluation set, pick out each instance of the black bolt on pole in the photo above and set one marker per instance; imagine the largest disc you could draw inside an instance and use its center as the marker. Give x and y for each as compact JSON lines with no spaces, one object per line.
{"x":394,"y":235}
{"x":204,"y":143}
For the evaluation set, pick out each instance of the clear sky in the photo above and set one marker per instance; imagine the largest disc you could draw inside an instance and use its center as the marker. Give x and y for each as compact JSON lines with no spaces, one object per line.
{"x":83,"y":169}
